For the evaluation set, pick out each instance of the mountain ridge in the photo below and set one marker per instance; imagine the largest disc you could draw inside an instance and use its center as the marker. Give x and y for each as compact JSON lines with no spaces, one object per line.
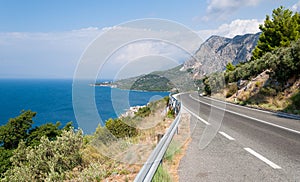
{"x":212,"y":55}
{"x":216,"y":52}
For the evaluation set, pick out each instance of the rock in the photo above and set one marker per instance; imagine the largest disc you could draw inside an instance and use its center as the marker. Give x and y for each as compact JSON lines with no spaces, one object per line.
{"x":216,"y":52}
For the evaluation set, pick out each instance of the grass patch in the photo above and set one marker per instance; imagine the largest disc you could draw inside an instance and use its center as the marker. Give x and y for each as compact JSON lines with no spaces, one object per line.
{"x":294,"y":104}
{"x":161,"y":175}
{"x":173,"y":149}
{"x":231,"y":90}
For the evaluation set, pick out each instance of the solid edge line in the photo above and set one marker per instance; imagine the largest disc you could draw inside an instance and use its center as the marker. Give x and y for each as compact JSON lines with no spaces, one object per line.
{"x":201,"y":119}
{"x":267,"y":161}
{"x":249,"y":117}
{"x":255,"y":109}
{"x":226,"y":135}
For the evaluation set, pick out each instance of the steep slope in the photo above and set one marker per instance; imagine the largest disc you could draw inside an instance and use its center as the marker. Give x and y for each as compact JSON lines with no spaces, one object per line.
{"x":216,"y":52}
{"x":213,"y":55}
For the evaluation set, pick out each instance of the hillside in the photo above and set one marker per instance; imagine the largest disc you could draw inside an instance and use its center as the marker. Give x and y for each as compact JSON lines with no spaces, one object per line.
{"x":170,"y":80}
{"x":216,"y":52}
{"x":271,"y":80}
{"x":213,"y":55}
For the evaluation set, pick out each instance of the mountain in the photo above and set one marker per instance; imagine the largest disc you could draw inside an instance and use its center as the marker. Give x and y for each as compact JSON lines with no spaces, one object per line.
{"x":213,"y":55}
{"x":169,"y":80}
{"x":216,"y":52}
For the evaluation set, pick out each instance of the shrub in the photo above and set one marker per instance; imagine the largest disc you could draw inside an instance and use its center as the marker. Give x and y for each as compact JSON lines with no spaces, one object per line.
{"x":143,"y":112}
{"x":231,"y":90}
{"x":268,"y":91}
{"x":120,"y":129}
{"x":258,"y":84}
{"x":48,"y":161}
{"x":171,"y":113}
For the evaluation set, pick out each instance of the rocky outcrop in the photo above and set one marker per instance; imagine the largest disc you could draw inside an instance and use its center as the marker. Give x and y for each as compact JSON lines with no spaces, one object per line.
{"x":216,"y":52}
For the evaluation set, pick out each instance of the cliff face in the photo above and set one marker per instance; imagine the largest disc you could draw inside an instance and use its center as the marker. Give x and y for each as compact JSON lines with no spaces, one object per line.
{"x":216,"y":52}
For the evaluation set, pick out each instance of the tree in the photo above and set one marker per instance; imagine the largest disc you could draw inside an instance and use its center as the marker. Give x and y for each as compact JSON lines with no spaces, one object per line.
{"x":279,"y":31}
{"x":19,"y":129}
{"x":48,"y":161}
{"x":50,"y":130}
{"x":230,"y":67}
{"x":16,"y":130}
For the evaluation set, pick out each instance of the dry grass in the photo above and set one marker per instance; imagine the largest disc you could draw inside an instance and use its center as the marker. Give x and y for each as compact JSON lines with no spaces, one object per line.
{"x":121,"y":160}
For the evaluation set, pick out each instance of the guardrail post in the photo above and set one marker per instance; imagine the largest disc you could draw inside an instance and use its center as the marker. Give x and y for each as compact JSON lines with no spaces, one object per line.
{"x":159,"y":137}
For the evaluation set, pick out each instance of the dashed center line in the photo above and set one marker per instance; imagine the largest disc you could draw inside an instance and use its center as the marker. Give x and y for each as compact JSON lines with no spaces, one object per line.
{"x":267,"y":161}
{"x":226,"y":135}
{"x":259,"y":156}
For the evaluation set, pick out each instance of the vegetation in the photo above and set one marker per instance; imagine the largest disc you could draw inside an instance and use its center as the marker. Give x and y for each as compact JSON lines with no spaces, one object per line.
{"x":213,"y":83}
{"x":232,"y":89}
{"x":152,"y":82}
{"x":283,"y":64}
{"x":277,"y":54}
{"x":51,"y":153}
{"x":47,"y":161}
{"x":279,"y":31}
{"x":230,"y":67}
{"x":161,"y":175}
{"x":172,"y":79}
{"x":120,"y":129}
{"x":19,"y":130}
{"x":143,"y":112}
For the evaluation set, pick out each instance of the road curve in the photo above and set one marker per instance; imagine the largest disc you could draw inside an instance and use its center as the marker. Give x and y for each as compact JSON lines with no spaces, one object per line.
{"x":250,"y":145}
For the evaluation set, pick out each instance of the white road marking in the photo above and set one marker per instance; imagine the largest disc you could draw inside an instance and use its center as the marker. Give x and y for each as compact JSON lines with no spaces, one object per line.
{"x":201,"y":119}
{"x":226,"y":135}
{"x":235,"y":105}
{"x":267,"y":161}
{"x":249,"y":117}
{"x":251,"y":108}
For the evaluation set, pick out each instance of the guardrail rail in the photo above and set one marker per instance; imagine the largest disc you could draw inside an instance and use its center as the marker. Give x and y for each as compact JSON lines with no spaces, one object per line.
{"x":148,"y":170}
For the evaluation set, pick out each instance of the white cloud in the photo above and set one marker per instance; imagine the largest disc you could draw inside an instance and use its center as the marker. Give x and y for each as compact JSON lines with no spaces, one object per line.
{"x":236,"y":27}
{"x":43,"y":54}
{"x":222,"y":8}
{"x":296,"y":7}
{"x":56,"y":54}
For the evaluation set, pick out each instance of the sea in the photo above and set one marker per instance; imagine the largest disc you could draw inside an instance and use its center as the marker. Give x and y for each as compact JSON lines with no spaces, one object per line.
{"x":52,"y":100}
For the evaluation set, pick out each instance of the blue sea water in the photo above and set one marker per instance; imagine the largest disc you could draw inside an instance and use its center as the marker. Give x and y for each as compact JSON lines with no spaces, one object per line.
{"x":52,"y":100}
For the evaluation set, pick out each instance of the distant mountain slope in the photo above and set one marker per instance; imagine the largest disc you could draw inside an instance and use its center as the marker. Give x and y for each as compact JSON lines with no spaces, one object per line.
{"x":216,"y":52}
{"x":172,"y":79}
{"x":213,"y":55}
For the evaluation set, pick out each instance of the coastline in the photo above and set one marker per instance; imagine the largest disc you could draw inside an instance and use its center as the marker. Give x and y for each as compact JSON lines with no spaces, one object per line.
{"x":131,"y":111}
{"x":116,"y":87}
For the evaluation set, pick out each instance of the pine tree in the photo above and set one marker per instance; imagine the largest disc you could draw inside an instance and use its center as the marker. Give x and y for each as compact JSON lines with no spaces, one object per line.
{"x":279,"y":31}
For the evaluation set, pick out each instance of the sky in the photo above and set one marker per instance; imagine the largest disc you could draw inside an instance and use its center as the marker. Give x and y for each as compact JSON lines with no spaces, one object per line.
{"x":48,"y":39}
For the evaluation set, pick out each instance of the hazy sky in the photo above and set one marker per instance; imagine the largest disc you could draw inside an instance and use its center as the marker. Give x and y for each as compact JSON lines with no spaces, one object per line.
{"x":45,"y":39}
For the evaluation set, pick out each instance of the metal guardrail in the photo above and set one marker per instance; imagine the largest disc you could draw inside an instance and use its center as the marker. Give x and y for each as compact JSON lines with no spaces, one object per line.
{"x":148,"y":170}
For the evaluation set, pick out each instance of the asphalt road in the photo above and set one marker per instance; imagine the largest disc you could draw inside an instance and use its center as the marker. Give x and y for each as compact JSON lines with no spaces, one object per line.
{"x":247,"y":144}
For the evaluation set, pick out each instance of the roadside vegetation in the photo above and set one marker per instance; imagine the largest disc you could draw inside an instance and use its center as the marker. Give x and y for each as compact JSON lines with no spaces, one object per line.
{"x":271,"y":79}
{"x":53,"y":153}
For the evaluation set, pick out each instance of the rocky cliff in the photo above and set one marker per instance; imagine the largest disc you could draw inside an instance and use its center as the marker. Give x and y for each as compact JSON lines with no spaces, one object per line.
{"x":216,"y":52}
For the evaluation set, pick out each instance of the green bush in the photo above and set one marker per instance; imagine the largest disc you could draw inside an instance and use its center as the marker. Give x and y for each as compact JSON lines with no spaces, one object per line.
{"x":268,"y":91}
{"x":143,"y":112}
{"x":231,"y":90}
{"x":48,"y":161}
{"x":20,"y":129}
{"x":120,"y":129}
{"x":171,"y":113}
{"x":5,"y":162}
